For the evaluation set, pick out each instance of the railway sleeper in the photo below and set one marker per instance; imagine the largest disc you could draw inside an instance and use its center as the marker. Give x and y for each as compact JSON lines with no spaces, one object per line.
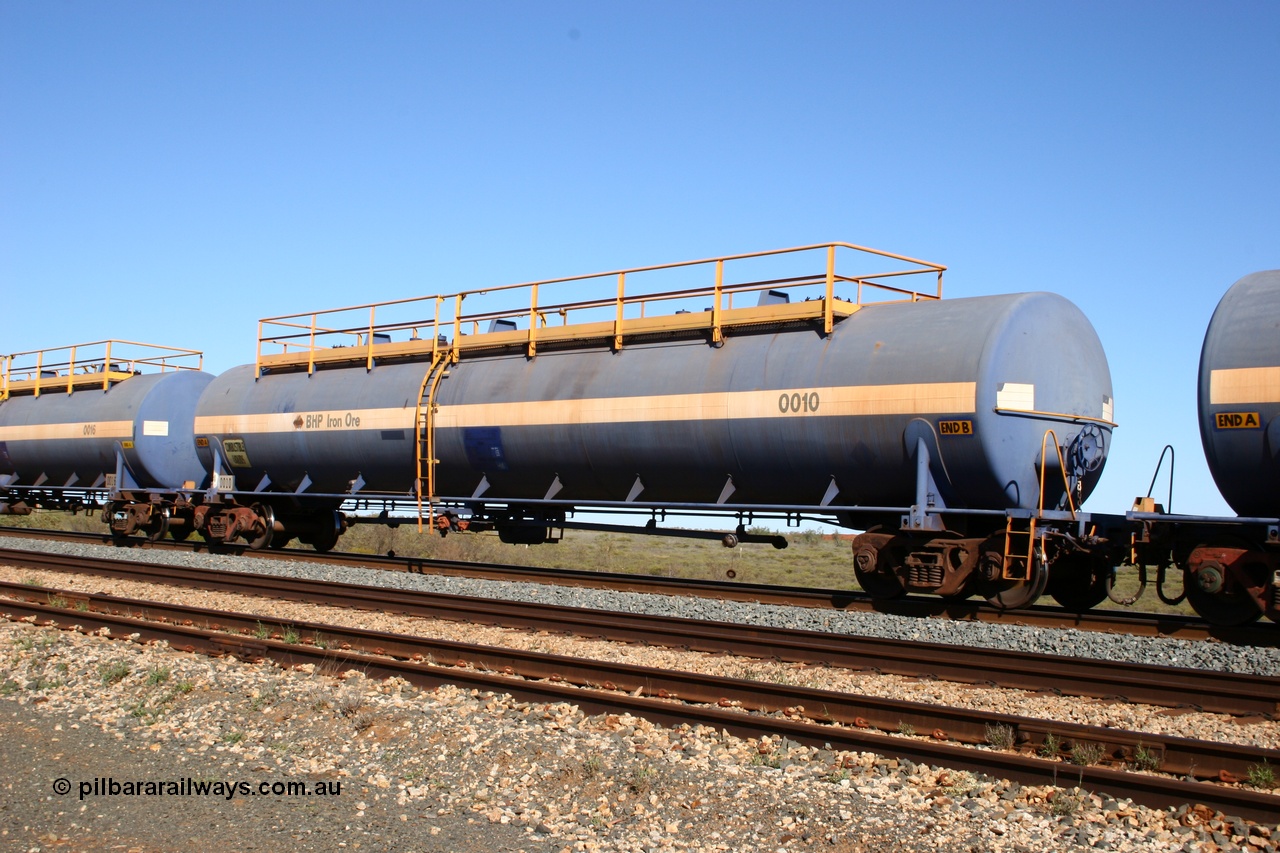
{"x":1076,"y":745}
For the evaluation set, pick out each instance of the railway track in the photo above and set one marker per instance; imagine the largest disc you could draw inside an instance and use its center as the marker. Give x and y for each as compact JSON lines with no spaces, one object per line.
{"x":1227,"y":693}
{"x":746,"y":708}
{"x":1129,"y":622}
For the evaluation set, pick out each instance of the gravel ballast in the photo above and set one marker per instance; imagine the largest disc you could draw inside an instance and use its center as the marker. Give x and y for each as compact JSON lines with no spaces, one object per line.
{"x":1162,"y":651}
{"x":460,"y":770}
{"x":455,"y":770}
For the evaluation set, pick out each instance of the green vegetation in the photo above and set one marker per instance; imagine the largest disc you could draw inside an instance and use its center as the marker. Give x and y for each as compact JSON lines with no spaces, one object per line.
{"x":267,"y":695}
{"x":1262,"y":776}
{"x":1085,"y":754}
{"x":87,"y":522}
{"x":812,"y":559}
{"x":113,"y":673}
{"x":1051,"y":747}
{"x":1145,"y":759}
{"x":1126,"y":586}
{"x":643,"y":776}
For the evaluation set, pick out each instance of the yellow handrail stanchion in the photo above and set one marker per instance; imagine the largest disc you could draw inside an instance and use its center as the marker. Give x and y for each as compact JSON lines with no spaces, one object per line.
{"x":617,"y":322}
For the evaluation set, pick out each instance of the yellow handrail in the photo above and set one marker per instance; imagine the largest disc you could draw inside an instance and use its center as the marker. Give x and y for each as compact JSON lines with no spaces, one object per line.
{"x":97,"y":363}
{"x":322,"y":330}
{"x":1062,"y":466}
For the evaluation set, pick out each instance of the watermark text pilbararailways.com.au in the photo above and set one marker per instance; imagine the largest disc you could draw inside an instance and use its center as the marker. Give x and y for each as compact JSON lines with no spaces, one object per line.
{"x":187,"y":787}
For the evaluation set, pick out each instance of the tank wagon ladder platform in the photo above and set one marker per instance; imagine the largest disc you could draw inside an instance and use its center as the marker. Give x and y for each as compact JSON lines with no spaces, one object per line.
{"x":366,"y":334}
{"x":425,"y":443}
{"x":1020,"y":535}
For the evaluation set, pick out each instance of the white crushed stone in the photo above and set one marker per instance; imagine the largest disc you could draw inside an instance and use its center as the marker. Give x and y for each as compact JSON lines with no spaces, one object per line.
{"x":1082,"y":711}
{"x":569,"y":781}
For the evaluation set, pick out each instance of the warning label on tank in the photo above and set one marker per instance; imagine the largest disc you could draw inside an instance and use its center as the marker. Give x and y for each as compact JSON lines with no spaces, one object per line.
{"x":955,"y":427}
{"x":1237,"y":420}
{"x":237,"y":456}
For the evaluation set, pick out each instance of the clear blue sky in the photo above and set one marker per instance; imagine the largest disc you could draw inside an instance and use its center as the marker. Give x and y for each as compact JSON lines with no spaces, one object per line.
{"x":172,"y":172}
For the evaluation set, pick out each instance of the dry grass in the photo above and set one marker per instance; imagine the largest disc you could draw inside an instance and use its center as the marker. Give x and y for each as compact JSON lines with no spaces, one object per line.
{"x":811,"y":560}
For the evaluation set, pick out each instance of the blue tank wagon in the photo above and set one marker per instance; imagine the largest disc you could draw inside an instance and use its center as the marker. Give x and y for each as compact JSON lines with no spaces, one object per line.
{"x":962,"y":434}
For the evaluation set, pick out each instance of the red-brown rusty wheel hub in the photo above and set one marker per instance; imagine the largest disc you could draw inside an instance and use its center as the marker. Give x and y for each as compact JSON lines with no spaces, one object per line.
{"x":1229,"y":582}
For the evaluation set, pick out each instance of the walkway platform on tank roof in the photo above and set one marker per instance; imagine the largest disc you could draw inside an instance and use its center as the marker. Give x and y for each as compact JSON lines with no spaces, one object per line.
{"x":823,"y":296}
{"x":98,"y":364}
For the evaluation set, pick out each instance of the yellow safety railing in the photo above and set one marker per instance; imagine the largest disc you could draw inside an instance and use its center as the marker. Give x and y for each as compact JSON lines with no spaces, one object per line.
{"x":1062,"y":468}
{"x":89,"y":365}
{"x":644,"y":302}
{"x":1012,"y":555}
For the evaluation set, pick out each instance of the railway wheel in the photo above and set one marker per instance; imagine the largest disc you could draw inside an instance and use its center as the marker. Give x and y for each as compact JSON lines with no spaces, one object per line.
{"x":873,"y":568}
{"x":1220,"y":579}
{"x":157,"y":525}
{"x":1079,"y":582}
{"x":328,"y":529}
{"x":1011,"y":594}
{"x":264,"y":527}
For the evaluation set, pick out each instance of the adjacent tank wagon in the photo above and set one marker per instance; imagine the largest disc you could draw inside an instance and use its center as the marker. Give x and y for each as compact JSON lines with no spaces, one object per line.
{"x":1240,"y":395}
{"x":107,"y":416}
{"x":1232,"y":566}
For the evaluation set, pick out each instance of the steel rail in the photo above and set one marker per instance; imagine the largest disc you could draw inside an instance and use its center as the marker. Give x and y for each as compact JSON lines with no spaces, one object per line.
{"x":816,"y":715}
{"x":1228,"y":693}
{"x":1137,"y":624}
